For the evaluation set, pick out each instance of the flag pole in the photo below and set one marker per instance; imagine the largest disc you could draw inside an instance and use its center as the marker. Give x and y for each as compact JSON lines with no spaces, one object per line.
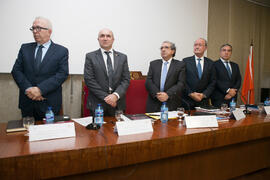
{"x":251,"y":44}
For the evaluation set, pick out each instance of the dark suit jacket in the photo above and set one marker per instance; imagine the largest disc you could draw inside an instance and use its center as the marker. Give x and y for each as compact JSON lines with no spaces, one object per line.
{"x":224,"y":82}
{"x":97,"y":81}
{"x":174,"y":85}
{"x":204,"y":85}
{"x":53,"y":71}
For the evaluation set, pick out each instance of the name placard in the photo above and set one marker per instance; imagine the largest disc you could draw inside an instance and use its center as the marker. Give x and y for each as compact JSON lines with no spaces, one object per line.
{"x":267,"y":109}
{"x":51,"y":131}
{"x":238,"y":114}
{"x":201,"y":121}
{"x":134,"y":127}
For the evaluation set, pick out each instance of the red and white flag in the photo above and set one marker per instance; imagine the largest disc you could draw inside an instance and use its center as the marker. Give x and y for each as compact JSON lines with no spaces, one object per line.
{"x":248,"y":84}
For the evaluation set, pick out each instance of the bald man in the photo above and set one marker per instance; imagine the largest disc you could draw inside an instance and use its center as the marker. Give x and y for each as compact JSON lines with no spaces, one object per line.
{"x":106,"y":75}
{"x":39,"y":71}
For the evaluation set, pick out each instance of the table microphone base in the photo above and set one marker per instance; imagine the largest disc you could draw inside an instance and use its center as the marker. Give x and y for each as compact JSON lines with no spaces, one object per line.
{"x":93,"y":126}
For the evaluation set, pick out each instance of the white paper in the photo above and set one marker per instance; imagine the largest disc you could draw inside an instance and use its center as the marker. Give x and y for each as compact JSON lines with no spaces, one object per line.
{"x":238,"y":114}
{"x":84,"y":121}
{"x":201,"y":121}
{"x":125,"y":118}
{"x":134,"y":127}
{"x":267,"y":109}
{"x":171,"y":114}
{"x":51,"y":131}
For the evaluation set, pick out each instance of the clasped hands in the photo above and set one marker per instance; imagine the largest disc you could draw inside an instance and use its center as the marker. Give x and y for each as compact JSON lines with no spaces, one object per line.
{"x":196,"y":96}
{"x":162,"y":96}
{"x":232,"y":92}
{"x":34,"y":93}
{"x":111,"y":99}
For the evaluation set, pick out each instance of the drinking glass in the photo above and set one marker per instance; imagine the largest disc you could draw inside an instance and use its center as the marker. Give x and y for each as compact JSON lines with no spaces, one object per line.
{"x":261,"y":107}
{"x":118,"y":114}
{"x":28,"y":121}
{"x":180,"y":112}
{"x":224,"y":107}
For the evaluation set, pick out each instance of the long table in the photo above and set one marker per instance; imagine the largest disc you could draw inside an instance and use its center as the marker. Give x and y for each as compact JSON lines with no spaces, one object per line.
{"x":172,"y":151}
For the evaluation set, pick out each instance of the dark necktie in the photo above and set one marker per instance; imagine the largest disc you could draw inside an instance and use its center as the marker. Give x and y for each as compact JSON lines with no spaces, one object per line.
{"x":39,"y":57}
{"x":228,"y":69}
{"x":199,"y":67}
{"x":109,"y":68}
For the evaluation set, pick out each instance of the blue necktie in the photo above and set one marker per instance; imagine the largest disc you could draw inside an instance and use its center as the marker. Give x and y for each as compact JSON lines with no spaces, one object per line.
{"x":39,"y":57}
{"x":199,"y":68}
{"x":163,"y":76}
{"x":228,"y":69}
{"x":109,"y":68}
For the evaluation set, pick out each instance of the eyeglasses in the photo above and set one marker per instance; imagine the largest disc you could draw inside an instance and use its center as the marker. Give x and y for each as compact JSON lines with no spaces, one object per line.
{"x":37,"y":29}
{"x":164,"y":47}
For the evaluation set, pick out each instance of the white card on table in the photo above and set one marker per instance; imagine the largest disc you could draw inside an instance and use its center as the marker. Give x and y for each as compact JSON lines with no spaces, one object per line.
{"x":201,"y":121}
{"x":134,"y":127}
{"x":238,"y":114}
{"x":51,"y":131}
{"x":267,"y":109}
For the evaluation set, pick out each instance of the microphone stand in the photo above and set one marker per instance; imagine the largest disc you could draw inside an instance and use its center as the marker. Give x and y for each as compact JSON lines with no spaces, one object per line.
{"x":187,"y":105}
{"x":246,"y":111}
{"x":93,"y":125}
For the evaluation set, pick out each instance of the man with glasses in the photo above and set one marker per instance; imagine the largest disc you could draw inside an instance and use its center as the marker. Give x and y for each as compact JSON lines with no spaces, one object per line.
{"x":165,"y":80}
{"x":106,"y":75}
{"x":200,"y":77}
{"x":39,"y":71}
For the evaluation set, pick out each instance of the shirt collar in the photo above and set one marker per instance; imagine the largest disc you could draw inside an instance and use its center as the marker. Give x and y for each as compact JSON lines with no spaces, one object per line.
{"x":196,"y":57}
{"x":169,"y":61}
{"x":103,"y":50}
{"x":224,"y":61}
{"x":45,"y":45}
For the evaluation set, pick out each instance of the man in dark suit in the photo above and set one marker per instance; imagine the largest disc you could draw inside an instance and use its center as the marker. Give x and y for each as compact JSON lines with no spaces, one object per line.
{"x":106,"y":75}
{"x":39,"y":71}
{"x":165,"y":80}
{"x":228,"y":78}
{"x":200,"y":77}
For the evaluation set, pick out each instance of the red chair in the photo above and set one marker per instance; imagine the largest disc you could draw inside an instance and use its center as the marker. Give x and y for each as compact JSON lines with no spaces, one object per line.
{"x":136,"y":97}
{"x":85,"y":111}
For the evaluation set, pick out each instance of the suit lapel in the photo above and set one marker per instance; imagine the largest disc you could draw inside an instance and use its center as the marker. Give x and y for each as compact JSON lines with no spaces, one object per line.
{"x":48,"y":54}
{"x":100,"y":60}
{"x":159,"y":69}
{"x":194,"y":67}
{"x":33,"y":62}
{"x":170,"y":72}
{"x":225,"y":71}
{"x":205,"y":67}
{"x":233,"y":69}
{"x":116,"y":58}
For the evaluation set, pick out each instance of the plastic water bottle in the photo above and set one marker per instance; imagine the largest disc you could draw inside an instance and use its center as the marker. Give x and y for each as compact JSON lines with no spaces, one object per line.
{"x":164,"y":113}
{"x":99,"y":115}
{"x":267,"y":102}
{"x":232,"y":105}
{"x":49,"y":115}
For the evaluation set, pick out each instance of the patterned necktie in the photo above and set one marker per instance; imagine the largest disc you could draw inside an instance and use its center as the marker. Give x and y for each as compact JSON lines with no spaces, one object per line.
{"x":163,"y":76}
{"x":109,"y":68}
{"x":39,"y":57}
{"x":199,"y":68}
{"x":228,"y":69}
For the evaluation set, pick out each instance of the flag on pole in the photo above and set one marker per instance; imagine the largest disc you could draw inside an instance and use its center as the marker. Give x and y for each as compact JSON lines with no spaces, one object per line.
{"x":248,"y":84}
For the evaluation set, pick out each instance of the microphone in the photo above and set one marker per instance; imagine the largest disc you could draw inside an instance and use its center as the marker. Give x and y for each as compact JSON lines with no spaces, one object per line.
{"x":93,"y":125}
{"x":246,"y":111}
{"x":187,"y":105}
